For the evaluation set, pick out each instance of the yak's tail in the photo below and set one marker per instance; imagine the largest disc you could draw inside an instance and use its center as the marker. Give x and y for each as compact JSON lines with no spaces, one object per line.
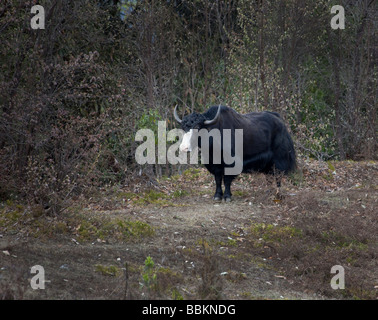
{"x":284,"y":153}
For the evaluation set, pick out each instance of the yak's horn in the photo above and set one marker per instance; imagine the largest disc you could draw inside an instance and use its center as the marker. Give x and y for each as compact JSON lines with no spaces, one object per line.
{"x":176,"y":115}
{"x":208,"y":122}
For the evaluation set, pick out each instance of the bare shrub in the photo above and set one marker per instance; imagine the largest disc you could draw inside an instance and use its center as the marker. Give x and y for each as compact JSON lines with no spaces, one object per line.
{"x":211,"y":282}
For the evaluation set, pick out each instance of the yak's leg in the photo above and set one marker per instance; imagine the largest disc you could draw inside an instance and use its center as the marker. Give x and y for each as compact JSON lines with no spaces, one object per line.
{"x":218,"y":191}
{"x":227,"y":184}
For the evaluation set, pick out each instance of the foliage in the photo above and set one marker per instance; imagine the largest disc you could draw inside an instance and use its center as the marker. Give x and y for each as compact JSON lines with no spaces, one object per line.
{"x":149,"y":275}
{"x":73,"y":95}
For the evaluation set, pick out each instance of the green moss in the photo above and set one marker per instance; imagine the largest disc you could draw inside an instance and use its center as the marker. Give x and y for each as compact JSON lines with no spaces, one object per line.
{"x":134,"y":229}
{"x":175,"y":177}
{"x":112,"y":271}
{"x":126,"y":195}
{"x":60,"y":228}
{"x":240,"y":193}
{"x":204,"y":243}
{"x":275,"y":234}
{"x":331,"y":167}
{"x":180,"y":193}
{"x":90,"y":228}
{"x":334,"y":239}
{"x":87,"y":230}
{"x":231,"y":242}
{"x":15,"y":217}
{"x":169,"y":273}
{"x":11,"y":214}
{"x":235,"y":276}
{"x":360,"y":294}
{"x":328,"y":177}
{"x":176,"y":295}
{"x":234,"y":234}
{"x":153,"y":195}
{"x":155,"y":198}
{"x":191,"y":174}
{"x":10,"y":217}
{"x":247,"y":295}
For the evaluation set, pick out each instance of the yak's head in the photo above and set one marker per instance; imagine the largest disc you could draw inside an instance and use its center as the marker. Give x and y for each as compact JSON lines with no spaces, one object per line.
{"x":191,"y":124}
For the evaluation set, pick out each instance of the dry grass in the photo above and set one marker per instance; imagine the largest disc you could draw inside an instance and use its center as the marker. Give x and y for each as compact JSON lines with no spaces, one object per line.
{"x":256,"y":247}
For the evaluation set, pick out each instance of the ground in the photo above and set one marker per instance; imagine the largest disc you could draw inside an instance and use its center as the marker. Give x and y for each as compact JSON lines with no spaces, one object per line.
{"x":170,"y":240}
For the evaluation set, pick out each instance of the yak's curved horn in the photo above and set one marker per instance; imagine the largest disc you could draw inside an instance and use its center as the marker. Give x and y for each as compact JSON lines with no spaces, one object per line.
{"x":176,"y":115}
{"x":208,"y":122}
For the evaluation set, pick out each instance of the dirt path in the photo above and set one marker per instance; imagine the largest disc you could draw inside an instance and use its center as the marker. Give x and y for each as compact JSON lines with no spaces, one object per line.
{"x":207,"y":237}
{"x":251,"y":248}
{"x":194,"y":245}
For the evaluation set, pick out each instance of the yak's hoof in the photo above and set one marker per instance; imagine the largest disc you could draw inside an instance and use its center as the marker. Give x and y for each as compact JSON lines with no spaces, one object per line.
{"x":216,"y":198}
{"x":227,"y":199}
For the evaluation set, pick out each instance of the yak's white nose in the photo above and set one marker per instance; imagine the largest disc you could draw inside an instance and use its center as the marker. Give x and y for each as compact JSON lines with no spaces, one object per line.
{"x":185,"y":145}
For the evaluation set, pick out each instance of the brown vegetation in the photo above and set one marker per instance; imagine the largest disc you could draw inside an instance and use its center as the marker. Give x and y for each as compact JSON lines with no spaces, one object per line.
{"x":256,"y":247}
{"x":73,"y":95}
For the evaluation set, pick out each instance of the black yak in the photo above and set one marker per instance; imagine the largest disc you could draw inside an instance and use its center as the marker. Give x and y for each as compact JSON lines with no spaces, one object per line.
{"x":266,"y":143}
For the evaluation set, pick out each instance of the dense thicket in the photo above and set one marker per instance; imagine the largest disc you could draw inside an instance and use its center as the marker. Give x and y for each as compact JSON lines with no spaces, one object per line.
{"x":73,"y":95}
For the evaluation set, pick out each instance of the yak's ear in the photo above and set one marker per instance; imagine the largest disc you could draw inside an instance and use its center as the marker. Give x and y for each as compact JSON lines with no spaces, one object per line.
{"x":197,"y":126}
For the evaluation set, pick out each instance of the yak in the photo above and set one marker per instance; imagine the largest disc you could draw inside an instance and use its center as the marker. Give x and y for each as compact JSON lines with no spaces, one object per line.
{"x":267,"y":146}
